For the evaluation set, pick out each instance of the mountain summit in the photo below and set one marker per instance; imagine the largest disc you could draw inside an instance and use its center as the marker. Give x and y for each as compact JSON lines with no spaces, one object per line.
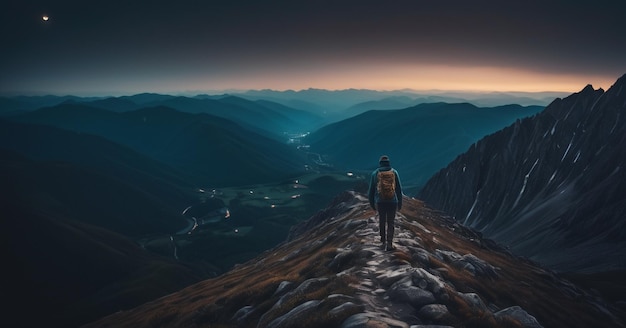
{"x":552,"y":186}
{"x":332,"y":273}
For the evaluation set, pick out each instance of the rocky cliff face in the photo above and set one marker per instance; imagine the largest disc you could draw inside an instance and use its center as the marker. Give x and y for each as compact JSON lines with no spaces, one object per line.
{"x":552,"y":187}
{"x":333,"y":273}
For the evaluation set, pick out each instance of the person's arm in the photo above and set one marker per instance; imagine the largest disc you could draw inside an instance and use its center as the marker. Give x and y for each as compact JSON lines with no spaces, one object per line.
{"x":398,"y":190}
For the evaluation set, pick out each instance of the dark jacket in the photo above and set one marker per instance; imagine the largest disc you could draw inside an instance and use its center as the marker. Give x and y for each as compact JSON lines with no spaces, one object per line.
{"x":373,"y":192}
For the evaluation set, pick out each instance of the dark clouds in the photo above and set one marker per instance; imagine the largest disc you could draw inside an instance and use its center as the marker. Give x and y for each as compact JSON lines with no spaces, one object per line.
{"x":145,"y":40}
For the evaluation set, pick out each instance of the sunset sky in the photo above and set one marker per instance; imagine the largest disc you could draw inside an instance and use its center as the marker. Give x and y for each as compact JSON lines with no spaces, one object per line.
{"x":125,"y":47}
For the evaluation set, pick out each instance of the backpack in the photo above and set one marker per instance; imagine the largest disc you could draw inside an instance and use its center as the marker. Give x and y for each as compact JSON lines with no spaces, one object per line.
{"x":386,"y":185}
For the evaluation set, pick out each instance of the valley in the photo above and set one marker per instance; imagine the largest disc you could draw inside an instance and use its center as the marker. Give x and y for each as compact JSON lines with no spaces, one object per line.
{"x":230,"y":225}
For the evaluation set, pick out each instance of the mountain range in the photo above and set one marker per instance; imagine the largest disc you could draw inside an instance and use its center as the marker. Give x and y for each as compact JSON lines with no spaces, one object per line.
{"x":261,"y":116}
{"x":551,"y":187}
{"x":341,"y":104}
{"x":420,"y":140}
{"x":201,"y":145}
{"x":315,"y":107}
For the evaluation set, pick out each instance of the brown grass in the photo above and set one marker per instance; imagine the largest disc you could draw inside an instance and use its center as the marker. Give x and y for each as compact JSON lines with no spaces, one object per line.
{"x":520,"y":282}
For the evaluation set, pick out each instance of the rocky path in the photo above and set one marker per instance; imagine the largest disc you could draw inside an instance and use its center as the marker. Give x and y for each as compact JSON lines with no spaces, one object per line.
{"x":396,"y":294}
{"x":380,"y":269}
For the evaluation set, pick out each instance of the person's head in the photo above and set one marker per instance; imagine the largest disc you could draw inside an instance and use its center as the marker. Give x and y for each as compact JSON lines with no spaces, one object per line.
{"x":384,"y":161}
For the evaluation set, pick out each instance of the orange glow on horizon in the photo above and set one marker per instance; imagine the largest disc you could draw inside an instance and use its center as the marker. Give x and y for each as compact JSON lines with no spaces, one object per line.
{"x":420,"y":78}
{"x":413,"y":77}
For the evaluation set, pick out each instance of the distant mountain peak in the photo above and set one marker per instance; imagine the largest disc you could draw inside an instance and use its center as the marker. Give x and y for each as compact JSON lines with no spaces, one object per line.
{"x":334,"y":274}
{"x":589,"y":88}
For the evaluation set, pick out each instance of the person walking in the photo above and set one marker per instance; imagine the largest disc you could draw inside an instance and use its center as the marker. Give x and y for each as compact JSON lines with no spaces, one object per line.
{"x":385,"y":196}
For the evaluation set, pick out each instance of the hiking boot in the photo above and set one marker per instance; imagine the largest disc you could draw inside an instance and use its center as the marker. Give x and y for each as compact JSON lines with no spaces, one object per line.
{"x":389,"y":247}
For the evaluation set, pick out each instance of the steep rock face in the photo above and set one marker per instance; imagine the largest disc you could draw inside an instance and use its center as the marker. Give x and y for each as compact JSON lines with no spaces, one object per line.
{"x":333,"y":273}
{"x":552,"y":187}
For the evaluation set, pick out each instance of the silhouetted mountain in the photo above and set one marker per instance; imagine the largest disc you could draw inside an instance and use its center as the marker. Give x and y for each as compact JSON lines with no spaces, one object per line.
{"x":212,"y":150}
{"x":271,"y":116}
{"x":319,"y":105}
{"x":95,"y":180}
{"x":339,"y":104}
{"x":13,"y":105}
{"x":63,"y":263}
{"x":305,"y":120}
{"x":385,"y":103}
{"x":419,"y":140}
{"x":323,"y":102}
{"x":147,"y":98}
{"x":520,"y":98}
{"x":256,"y":116}
{"x":552,"y":187}
{"x":217,"y":108}
{"x":268,"y":118}
{"x":10,"y":106}
{"x":488,"y":100}
{"x":115,"y":104}
{"x":332,"y":273}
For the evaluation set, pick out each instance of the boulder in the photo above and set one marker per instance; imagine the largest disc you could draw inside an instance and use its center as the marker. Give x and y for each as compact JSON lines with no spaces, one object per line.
{"x":415,"y":296}
{"x":433,"y":312}
{"x":296,"y":315}
{"x":519,"y":314}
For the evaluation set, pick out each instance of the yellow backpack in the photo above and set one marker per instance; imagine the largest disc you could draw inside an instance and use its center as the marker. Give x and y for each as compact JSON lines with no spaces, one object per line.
{"x":386,"y":185}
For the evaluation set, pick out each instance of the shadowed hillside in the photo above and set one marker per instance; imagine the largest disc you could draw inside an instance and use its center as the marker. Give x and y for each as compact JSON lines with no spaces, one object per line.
{"x":419,"y":140}
{"x":200,"y":145}
{"x":67,"y":255}
{"x":71,"y":206}
{"x":265,"y":117}
{"x":332,"y":272}
{"x":94,"y":179}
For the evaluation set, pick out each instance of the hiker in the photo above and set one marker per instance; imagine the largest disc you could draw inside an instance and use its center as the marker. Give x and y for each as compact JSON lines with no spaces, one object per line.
{"x":385,"y":196}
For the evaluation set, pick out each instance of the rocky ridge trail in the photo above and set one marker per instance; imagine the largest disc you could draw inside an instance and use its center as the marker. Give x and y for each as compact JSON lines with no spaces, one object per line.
{"x":397,"y":294}
{"x":332,"y":272}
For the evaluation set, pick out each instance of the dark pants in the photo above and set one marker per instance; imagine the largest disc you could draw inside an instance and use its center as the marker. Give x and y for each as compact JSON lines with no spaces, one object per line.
{"x":386,"y":218}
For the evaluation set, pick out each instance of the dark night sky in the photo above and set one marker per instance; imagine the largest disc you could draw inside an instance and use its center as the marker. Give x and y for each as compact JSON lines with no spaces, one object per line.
{"x":124,"y":47}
